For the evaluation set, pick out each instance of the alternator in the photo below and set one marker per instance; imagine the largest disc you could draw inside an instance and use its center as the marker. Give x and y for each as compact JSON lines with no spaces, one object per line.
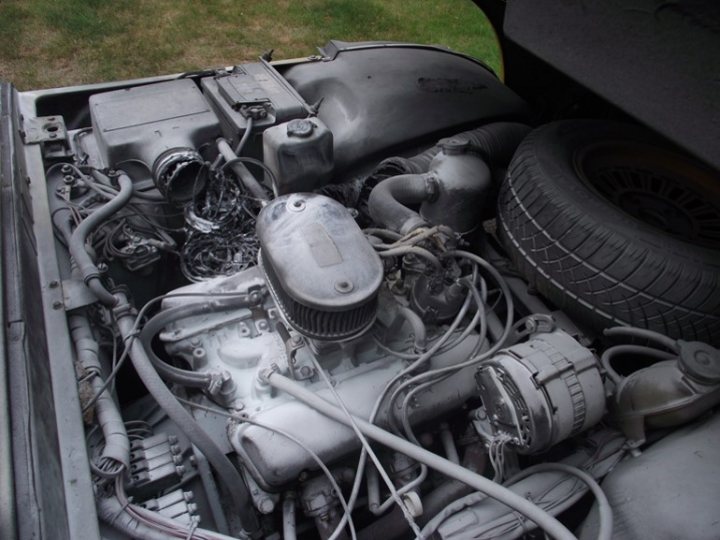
{"x":541,"y":392}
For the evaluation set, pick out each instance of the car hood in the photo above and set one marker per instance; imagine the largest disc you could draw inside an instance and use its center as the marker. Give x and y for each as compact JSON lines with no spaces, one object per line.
{"x":655,"y":60}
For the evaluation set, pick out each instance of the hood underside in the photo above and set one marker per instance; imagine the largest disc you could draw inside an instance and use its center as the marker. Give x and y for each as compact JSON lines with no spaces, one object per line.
{"x":655,"y":60}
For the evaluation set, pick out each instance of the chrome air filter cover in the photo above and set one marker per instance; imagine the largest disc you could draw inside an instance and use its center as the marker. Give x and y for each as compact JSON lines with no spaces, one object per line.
{"x":321,"y":270}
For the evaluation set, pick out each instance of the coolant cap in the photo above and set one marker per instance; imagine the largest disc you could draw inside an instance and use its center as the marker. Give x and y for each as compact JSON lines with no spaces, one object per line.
{"x":300,"y":128}
{"x":700,"y":361}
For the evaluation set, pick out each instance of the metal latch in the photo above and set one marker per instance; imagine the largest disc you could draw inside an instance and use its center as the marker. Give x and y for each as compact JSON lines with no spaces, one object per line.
{"x":50,"y":132}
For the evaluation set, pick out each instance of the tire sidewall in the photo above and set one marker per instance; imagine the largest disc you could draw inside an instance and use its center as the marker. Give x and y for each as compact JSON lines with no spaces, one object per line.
{"x":556,"y":147}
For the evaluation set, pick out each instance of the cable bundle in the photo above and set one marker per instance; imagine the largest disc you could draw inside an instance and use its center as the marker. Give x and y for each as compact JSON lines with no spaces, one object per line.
{"x":220,"y":229}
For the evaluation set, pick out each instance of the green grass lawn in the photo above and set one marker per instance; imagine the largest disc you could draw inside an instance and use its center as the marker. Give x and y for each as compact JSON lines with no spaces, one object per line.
{"x":50,"y":43}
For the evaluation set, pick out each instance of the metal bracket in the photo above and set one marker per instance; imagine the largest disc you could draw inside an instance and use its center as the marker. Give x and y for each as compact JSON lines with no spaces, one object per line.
{"x":292,"y":346}
{"x":43,"y":129}
{"x":76,"y":294}
{"x":50,"y":131}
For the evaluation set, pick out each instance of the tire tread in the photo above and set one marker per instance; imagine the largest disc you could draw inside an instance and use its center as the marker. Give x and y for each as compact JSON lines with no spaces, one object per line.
{"x":619,"y":280}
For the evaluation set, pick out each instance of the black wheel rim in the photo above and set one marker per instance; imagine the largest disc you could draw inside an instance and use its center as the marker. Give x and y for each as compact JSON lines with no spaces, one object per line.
{"x":660,"y":188}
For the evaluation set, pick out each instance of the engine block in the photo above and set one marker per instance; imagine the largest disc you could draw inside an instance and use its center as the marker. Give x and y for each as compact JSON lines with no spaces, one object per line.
{"x":242,"y":344}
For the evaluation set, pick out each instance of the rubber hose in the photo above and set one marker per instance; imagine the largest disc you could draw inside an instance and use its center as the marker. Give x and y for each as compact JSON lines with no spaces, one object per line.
{"x":451,"y":184}
{"x":373,"y":490}
{"x":417,"y":325}
{"x":225,"y":470}
{"x":640,"y":350}
{"x":59,"y":210}
{"x":496,"y":142}
{"x":446,"y":438}
{"x":643,"y":334}
{"x":389,"y":199}
{"x":85,"y":264}
{"x":542,"y":519}
{"x":180,"y":376}
{"x":416,"y":251}
{"x":246,"y":177}
{"x":288,"y":511}
{"x":117,"y":444}
{"x":246,"y":136}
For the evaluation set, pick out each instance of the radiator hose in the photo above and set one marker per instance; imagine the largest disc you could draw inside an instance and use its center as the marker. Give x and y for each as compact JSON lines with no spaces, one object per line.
{"x":156,"y":324}
{"x":495,"y":142}
{"x":389,"y":200}
{"x":85,"y":264}
{"x":449,"y":182}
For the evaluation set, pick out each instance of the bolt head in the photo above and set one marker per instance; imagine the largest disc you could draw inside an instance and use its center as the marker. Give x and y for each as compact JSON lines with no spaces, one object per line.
{"x":266,"y":505}
{"x":344,"y":286}
{"x":237,"y":407}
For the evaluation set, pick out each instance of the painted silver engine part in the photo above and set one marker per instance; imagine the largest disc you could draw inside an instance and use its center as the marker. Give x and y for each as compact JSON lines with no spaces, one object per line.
{"x":160,"y":125}
{"x":243,"y":343}
{"x":540,"y":392}
{"x":277,"y":462}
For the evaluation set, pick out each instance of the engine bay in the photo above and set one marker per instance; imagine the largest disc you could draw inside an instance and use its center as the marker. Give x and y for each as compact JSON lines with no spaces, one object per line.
{"x":356,"y":296}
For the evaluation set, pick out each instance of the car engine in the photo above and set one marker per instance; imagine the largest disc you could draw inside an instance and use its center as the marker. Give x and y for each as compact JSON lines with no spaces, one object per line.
{"x":360,"y":296}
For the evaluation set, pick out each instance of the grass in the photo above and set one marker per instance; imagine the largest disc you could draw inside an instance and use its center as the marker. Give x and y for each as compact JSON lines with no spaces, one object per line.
{"x":52,"y":43}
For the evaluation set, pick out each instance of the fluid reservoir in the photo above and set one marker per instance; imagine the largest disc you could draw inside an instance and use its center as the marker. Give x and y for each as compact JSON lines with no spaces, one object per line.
{"x":300,"y":154}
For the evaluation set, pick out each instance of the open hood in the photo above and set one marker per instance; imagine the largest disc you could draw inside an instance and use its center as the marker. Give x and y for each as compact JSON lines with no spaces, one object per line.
{"x":657,"y":61}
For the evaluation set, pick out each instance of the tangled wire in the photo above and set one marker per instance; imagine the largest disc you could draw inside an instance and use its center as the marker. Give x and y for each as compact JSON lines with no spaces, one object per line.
{"x":220,"y":227}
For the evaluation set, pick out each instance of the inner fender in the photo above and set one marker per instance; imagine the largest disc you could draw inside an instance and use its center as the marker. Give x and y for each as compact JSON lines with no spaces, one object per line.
{"x":669,"y":491}
{"x":379,"y":98}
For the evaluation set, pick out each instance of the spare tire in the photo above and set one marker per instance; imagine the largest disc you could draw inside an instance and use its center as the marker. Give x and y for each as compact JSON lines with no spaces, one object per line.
{"x":614,"y":227}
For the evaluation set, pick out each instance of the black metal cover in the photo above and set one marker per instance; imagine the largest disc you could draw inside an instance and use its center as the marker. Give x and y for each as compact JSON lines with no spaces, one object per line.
{"x":378,"y":98}
{"x":252,"y":90}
